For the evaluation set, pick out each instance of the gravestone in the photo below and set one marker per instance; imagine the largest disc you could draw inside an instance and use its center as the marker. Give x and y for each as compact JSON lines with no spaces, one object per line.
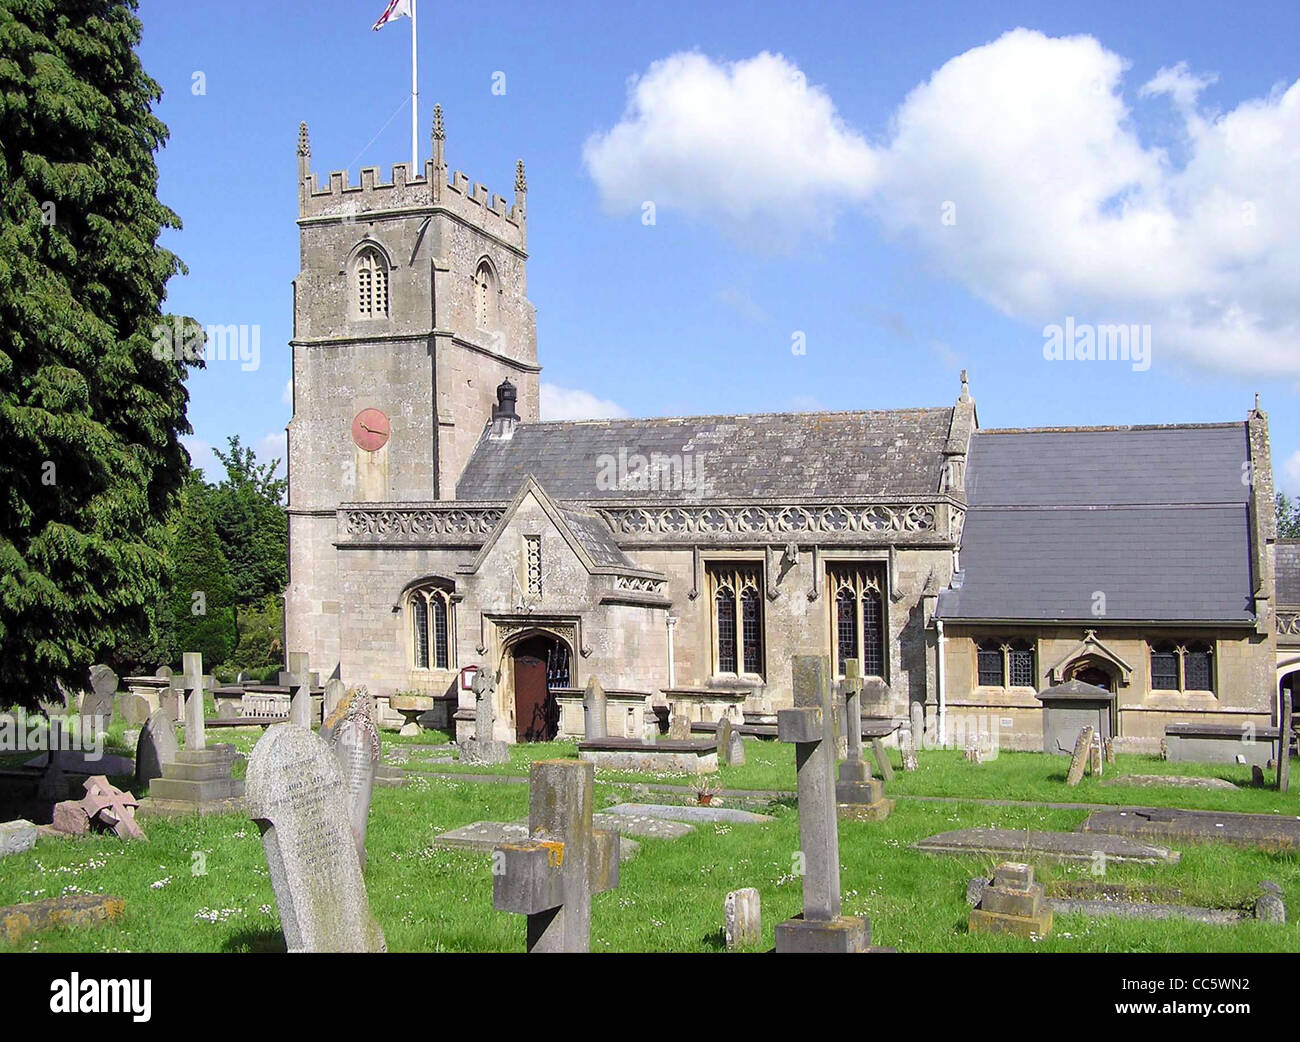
{"x":858,"y":795}
{"x":1108,"y":750}
{"x":1096,"y":755}
{"x":335,"y":692}
{"x":907,"y":746}
{"x":552,"y":876}
{"x":156,"y":747}
{"x":881,"y":757}
{"x":483,"y":748}
{"x":735,"y":749}
{"x":97,"y":703}
{"x":1082,"y":752}
{"x":1269,"y":906}
{"x":809,"y":726}
{"x":742,"y":918}
{"x":1013,"y":903}
{"x":916,"y":712}
{"x":16,"y":837}
{"x":296,"y":796}
{"x":198,"y":779}
{"x":1284,"y":745}
{"x":973,"y":753}
{"x":679,"y":726}
{"x":299,"y":684}
{"x":112,"y":808}
{"x":723,"y":732}
{"x":351,"y":732}
{"x":594,"y":721}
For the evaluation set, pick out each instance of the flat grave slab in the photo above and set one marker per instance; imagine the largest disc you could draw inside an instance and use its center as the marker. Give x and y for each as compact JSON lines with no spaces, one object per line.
{"x":675,"y":756}
{"x":486,"y":836}
{"x":1153,"y":781}
{"x":1031,"y":844}
{"x":1257,"y":831}
{"x":73,"y":761}
{"x":692,"y":814}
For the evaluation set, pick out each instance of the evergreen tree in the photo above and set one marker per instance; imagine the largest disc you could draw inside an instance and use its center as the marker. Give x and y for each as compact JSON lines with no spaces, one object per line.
{"x":249,"y":515}
{"x":90,"y":411}
{"x":202,"y":600}
{"x":1288,"y":517}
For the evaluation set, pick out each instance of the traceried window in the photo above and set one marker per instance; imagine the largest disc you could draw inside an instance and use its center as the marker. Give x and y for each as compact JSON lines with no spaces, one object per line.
{"x":859,"y":617}
{"x":533,"y":564}
{"x":1002,"y":662}
{"x":485,"y":296}
{"x":738,"y":641}
{"x":430,"y":611}
{"x":370,"y":275}
{"x":1182,"y":667}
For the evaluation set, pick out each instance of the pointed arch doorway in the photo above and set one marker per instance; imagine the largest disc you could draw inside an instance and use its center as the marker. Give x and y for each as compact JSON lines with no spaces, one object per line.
{"x":539,"y":665}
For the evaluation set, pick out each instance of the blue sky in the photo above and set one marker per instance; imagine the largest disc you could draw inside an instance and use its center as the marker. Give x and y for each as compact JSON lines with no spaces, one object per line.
{"x":913,"y":188}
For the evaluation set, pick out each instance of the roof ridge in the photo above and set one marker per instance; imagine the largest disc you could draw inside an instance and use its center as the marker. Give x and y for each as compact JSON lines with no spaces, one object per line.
{"x":1118,"y":428}
{"x":741,"y":416}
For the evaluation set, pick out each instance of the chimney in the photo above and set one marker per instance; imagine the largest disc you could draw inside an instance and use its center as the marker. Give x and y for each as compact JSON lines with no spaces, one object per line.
{"x":504,"y":417}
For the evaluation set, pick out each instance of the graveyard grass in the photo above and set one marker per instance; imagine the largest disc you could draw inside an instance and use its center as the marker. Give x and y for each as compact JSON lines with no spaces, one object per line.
{"x":202,"y":884}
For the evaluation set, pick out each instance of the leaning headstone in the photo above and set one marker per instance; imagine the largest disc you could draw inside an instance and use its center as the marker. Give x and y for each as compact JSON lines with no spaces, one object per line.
{"x":594,"y":721}
{"x":157,"y":746}
{"x":296,"y":796}
{"x":97,"y":703}
{"x":551,"y":876}
{"x":351,"y":732}
{"x":16,"y":837}
{"x":809,"y":726}
{"x":1284,"y":745}
{"x":858,"y":795}
{"x":335,"y":692}
{"x":483,"y":747}
{"x":743,"y":918}
{"x":1082,"y":751}
{"x":1013,"y":903}
{"x":1108,"y":750}
{"x":881,"y":757}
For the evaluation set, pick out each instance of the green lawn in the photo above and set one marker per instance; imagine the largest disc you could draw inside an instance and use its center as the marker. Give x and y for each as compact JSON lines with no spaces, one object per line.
{"x":670,"y":897}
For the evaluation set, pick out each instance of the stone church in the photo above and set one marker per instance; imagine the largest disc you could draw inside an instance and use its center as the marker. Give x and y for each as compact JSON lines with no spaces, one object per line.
{"x":437,"y":525}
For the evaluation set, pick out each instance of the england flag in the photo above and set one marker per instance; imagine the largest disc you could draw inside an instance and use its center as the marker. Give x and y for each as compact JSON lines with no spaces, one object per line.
{"x":395,"y":9}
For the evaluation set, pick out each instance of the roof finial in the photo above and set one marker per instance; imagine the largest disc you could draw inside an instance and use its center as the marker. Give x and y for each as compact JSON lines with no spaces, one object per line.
{"x":1257,"y":401}
{"x":304,"y":146}
{"x":521,"y":183}
{"x":438,"y":133}
{"x":965,"y":388}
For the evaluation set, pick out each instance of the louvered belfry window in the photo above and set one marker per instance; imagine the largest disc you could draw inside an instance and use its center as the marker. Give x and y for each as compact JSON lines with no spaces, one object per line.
{"x":372,"y":284}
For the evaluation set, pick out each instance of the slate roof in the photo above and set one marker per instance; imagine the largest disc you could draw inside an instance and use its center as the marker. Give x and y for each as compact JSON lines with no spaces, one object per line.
{"x":835,"y":455}
{"x":1287,"y":567}
{"x":1153,"y":517}
{"x":596,"y":539}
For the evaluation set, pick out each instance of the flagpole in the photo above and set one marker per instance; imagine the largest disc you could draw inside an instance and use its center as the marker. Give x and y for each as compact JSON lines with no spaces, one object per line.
{"x":415,"y":102}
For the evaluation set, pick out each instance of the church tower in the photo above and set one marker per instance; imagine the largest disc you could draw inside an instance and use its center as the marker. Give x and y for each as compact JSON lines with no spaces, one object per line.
{"x":409,"y":309}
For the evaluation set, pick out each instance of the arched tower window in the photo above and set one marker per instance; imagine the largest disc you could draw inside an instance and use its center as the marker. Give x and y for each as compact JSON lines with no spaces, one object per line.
{"x":485,"y":295}
{"x":431,"y":614}
{"x":370,"y":279}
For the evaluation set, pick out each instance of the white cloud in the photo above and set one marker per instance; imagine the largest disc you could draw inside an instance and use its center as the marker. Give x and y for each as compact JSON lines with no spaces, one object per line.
{"x":742,"y":302}
{"x":286,"y":395}
{"x":202,"y":456}
{"x":273,"y":446}
{"x":569,"y":403}
{"x":1291,"y":474}
{"x":749,"y":144}
{"x":1060,"y":208}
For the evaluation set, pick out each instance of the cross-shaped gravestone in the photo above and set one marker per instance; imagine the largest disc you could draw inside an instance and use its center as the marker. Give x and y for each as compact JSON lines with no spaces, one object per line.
{"x":552,"y":876}
{"x":483,"y":747}
{"x":112,"y":806}
{"x":195,"y":737}
{"x":822,"y":927}
{"x":858,"y":794}
{"x":299,"y":689}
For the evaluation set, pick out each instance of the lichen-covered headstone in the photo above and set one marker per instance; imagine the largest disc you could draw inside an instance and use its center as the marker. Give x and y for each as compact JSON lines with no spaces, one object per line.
{"x":1079,"y":761}
{"x":97,"y":703}
{"x":742,"y":918}
{"x":296,"y":795}
{"x":351,"y":732}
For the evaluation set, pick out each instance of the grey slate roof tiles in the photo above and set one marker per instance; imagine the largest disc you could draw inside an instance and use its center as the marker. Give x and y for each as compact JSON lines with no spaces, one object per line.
{"x":834,"y":455}
{"x":1153,"y":518}
{"x":1288,"y":571}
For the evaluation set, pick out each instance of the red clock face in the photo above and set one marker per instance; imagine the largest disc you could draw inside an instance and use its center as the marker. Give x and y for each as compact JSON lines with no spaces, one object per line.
{"x":370,"y":430}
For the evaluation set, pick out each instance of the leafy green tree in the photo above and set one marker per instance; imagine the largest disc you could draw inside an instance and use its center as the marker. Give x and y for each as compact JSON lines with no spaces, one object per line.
{"x":1288,"y":517}
{"x":90,"y":410}
{"x":203,"y":599}
{"x":249,"y":515}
